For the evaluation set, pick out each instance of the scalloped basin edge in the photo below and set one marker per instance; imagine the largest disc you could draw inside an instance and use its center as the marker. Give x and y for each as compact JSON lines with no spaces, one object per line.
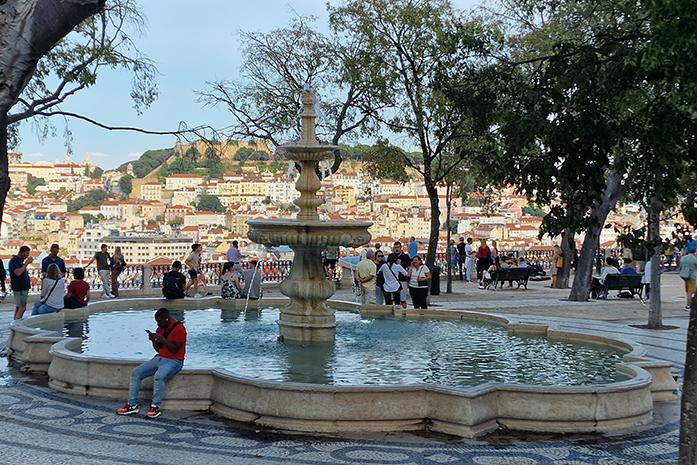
{"x":460,"y":411}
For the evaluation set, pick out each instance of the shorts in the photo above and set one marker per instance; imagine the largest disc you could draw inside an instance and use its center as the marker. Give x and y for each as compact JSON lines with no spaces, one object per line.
{"x":690,"y":286}
{"x":193,"y":274}
{"x":20,"y":298}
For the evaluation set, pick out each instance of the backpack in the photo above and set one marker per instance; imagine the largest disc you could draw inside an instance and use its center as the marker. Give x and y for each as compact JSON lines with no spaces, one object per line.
{"x":171,"y":288}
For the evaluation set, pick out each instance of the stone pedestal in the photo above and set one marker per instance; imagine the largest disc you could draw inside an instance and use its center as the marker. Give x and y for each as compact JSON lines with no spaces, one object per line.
{"x":307,"y":317}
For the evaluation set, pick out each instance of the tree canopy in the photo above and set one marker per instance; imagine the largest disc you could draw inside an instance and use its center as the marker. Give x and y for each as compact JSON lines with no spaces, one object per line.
{"x":208,"y":202}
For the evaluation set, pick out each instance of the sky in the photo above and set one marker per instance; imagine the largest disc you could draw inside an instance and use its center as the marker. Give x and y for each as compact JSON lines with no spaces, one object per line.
{"x":191,"y":43}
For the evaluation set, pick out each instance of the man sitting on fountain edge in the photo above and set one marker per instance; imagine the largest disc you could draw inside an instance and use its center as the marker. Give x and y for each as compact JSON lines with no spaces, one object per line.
{"x":169,"y":341}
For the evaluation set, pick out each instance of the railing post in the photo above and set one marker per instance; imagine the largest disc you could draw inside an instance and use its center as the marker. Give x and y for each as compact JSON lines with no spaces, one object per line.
{"x":147,"y":276}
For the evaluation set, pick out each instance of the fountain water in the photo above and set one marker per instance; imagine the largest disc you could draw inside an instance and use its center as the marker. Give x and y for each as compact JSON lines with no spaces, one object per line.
{"x":307,"y":318}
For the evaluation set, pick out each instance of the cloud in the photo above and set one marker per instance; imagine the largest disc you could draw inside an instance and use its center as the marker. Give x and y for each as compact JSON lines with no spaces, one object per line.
{"x":134,"y":155}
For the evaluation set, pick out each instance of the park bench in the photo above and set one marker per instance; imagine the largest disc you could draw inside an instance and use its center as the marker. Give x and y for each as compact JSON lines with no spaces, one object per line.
{"x":518,"y":275}
{"x":622,"y":282}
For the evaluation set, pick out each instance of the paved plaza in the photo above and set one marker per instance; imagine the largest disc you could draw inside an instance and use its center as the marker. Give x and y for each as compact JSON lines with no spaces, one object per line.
{"x":41,"y":426}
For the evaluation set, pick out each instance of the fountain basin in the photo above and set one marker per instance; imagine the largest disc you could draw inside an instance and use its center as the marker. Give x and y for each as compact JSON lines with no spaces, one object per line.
{"x":310,"y":233}
{"x":464,"y":411}
{"x":307,"y":152}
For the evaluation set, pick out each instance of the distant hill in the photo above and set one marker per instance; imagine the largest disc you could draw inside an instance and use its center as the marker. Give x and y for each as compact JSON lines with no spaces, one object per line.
{"x":197,"y":153}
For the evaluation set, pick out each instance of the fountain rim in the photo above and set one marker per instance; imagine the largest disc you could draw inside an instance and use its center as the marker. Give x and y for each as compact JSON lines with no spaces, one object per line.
{"x":634,"y":351}
{"x":465,"y":411}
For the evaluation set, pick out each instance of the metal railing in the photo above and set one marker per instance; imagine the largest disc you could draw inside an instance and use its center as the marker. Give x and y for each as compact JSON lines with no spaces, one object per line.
{"x":532,"y":256}
{"x":274,"y":271}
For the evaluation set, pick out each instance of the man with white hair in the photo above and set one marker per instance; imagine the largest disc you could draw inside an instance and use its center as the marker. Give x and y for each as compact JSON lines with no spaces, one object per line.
{"x":366,"y":270}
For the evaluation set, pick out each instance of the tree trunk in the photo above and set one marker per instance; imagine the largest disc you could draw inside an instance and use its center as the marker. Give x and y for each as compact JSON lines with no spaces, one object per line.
{"x":584,"y":269}
{"x":448,"y":254}
{"x":432,"y":192}
{"x":567,"y":241}
{"x":655,"y":311}
{"x":4,"y":168}
{"x":28,"y":30}
{"x":687,"y":454}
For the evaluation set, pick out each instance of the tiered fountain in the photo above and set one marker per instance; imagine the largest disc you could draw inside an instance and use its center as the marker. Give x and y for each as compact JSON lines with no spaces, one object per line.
{"x":307,"y":318}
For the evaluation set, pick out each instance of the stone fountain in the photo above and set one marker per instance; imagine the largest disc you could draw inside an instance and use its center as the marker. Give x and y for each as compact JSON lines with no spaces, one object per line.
{"x":307,"y":318}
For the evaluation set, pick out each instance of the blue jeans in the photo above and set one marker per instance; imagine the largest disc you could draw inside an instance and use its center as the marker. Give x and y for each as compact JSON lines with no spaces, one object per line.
{"x":162,"y":369}
{"x":41,"y":308}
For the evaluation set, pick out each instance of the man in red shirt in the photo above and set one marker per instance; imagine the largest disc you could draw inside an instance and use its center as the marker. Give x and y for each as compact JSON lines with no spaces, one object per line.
{"x":170,"y":343}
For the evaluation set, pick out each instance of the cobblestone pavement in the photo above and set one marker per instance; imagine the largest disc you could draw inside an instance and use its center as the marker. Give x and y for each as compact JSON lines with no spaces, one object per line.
{"x":40,"y":426}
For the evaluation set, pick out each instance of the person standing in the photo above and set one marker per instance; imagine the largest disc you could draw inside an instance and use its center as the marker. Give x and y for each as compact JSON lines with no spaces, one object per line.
{"x":461,"y":257}
{"x":52,"y":292}
{"x":379,"y":279}
{"x":557,"y":264}
{"x":469,"y":259}
{"x":366,"y":271}
{"x":483,"y":256}
{"x":3,"y":278}
{"x":169,"y":341}
{"x":391,"y":272}
{"x":494,"y":250}
{"x":402,"y":259}
{"x":413,"y":247}
{"x":78,"y":290}
{"x":193,"y":262}
{"x":52,"y":257}
{"x":234,"y":256}
{"x":688,"y":273}
{"x":19,"y":280}
{"x":117,"y":265}
{"x":102,"y":258}
{"x":419,"y":275}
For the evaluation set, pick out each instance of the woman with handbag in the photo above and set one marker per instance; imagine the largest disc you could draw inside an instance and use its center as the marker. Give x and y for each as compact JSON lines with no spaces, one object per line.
{"x":117,"y":265}
{"x":419,"y":275}
{"x":52,"y":291}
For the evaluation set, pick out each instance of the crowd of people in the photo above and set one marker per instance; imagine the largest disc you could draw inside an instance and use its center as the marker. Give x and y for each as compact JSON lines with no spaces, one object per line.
{"x":388,"y":279}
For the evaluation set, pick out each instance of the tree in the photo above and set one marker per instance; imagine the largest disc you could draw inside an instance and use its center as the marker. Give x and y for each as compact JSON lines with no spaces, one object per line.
{"x":532,"y":210}
{"x":278,"y":65}
{"x":126,"y":184}
{"x":213,"y":164}
{"x":415,"y":43}
{"x":33,"y":183}
{"x":243,"y":154}
{"x":21,"y":49}
{"x":176,"y":221}
{"x":579,"y":119}
{"x":96,"y":173}
{"x":93,"y":198}
{"x":209,"y":202}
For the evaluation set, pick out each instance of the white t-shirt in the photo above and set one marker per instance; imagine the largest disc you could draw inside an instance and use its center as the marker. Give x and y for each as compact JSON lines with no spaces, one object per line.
{"x":391,"y":282}
{"x":416,"y":274}
{"x":55,"y":300}
{"x":469,"y":251}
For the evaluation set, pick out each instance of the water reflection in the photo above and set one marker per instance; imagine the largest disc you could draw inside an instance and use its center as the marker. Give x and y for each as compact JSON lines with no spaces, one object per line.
{"x":228,"y":315}
{"x":309,"y":364}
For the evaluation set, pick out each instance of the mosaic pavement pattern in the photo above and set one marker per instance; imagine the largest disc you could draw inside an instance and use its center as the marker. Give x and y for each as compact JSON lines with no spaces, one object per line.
{"x":40,"y":426}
